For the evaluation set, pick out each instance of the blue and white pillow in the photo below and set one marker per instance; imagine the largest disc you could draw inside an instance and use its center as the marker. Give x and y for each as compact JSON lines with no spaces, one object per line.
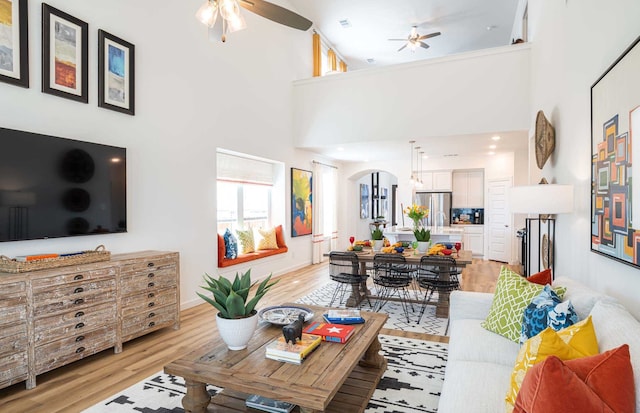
{"x":546,"y":310}
{"x":230,"y":245}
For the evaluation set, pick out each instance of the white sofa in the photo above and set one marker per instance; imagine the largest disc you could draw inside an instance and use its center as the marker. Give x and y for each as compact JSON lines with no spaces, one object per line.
{"x":480,"y":362}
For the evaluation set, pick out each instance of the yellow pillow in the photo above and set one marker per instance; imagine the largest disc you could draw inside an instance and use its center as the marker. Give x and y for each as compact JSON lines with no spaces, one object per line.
{"x":268,"y":240}
{"x":246,"y":240}
{"x":576,"y":341}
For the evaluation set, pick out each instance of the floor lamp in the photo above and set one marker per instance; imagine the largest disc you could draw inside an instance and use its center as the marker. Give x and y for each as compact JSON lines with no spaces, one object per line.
{"x":541,"y":200}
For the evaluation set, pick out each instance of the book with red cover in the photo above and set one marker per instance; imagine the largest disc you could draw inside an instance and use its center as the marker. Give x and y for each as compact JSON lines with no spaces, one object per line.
{"x":338,"y":333}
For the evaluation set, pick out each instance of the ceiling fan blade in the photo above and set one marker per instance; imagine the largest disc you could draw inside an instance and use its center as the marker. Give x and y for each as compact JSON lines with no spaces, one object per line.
{"x":277,"y":14}
{"x":400,"y":49}
{"x":430,"y":35}
{"x":424,"y":45}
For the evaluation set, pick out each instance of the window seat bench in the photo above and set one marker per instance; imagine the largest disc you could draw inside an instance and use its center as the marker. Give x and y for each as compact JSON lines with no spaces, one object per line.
{"x":251,"y":256}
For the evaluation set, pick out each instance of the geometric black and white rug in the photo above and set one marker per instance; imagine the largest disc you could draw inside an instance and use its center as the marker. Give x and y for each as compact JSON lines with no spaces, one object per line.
{"x":411,"y":384}
{"x":397,"y":320}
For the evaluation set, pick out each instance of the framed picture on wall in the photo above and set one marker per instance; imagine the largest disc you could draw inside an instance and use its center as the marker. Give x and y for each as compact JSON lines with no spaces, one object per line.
{"x":301,"y":202}
{"x":116,"y":73}
{"x":65,"y":55}
{"x":14,"y":43}
{"x":364,"y":201}
{"x":615,"y":121}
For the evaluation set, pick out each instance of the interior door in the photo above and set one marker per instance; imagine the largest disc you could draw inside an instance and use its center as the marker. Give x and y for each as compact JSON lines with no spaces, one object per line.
{"x":499,"y":220}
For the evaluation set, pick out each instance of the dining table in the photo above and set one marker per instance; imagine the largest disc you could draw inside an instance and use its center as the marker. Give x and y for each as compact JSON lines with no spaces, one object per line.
{"x":412,"y":257}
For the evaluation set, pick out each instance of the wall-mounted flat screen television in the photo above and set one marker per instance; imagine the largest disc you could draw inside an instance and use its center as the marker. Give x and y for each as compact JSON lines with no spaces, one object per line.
{"x":56,"y":187}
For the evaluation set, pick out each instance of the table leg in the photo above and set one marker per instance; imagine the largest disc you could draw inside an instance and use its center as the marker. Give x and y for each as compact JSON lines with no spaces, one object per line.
{"x":372,"y":357}
{"x":197,"y":398}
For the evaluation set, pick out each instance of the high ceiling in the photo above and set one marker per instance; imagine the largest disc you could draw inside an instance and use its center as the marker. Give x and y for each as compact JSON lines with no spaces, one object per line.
{"x":465,"y":25}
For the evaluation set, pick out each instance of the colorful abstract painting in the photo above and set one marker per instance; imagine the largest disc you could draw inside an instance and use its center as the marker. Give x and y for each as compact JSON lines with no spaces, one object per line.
{"x":14,"y":59}
{"x":615,"y":121}
{"x":301,"y":202}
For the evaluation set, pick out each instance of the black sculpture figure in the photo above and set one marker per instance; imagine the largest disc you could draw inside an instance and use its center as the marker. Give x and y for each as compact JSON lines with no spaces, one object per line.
{"x":293,"y":330}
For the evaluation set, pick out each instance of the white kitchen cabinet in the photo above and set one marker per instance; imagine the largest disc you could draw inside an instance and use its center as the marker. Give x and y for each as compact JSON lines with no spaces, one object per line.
{"x":436,"y":181}
{"x":473,"y":239}
{"x":468,"y":189}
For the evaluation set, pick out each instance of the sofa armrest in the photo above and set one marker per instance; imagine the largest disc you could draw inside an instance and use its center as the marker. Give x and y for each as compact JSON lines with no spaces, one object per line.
{"x":468,"y":304}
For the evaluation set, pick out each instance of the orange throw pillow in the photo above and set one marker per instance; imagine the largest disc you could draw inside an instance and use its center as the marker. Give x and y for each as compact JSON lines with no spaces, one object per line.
{"x":280,"y":237}
{"x":542,"y":278}
{"x":602,"y":383}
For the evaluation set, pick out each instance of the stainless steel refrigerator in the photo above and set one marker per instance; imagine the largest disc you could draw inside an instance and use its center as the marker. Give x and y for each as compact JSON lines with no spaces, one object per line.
{"x":439,"y":204}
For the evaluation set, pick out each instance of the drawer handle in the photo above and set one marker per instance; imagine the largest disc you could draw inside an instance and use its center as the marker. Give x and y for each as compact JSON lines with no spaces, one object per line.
{"x":151,"y":324}
{"x":79,"y":349}
{"x":78,"y":290}
{"x":151,"y":275}
{"x":79,"y":301}
{"x":151,"y":315}
{"x":79,"y":313}
{"x":150,"y":264}
{"x":151,"y":285}
{"x":79,"y":325}
{"x":79,"y":338}
{"x":151,"y":295}
{"x":78,"y":277}
{"x":151,"y":304}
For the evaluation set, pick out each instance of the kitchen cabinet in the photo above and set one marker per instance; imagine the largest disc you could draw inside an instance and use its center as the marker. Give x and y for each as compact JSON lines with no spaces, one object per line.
{"x":436,"y":181}
{"x":473,"y":239}
{"x":468,"y":189}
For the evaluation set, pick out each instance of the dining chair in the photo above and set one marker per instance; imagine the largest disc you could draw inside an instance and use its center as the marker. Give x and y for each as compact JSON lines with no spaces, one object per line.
{"x":392,"y":276}
{"x":344,"y":269}
{"x":436,"y":274}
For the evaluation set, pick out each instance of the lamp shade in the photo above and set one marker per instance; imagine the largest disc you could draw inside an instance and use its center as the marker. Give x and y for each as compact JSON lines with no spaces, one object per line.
{"x":541,"y":199}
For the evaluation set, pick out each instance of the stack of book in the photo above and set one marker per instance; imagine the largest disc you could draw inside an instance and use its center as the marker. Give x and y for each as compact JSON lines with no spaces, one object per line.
{"x":338,"y":333}
{"x":268,"y":405}
{"x":344,"y":316}
{"x":280,"y":350}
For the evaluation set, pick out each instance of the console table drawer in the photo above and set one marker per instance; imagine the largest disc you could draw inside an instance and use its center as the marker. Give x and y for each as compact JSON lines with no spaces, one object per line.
{"x":148,"y":281}
{"x":149,"y":264}
{"x":135,"y":304}
{"x":13,"y":338}
{"x":73,"y":296}
{"x":149,"y":320}
{"x":46,"y":283}
{"x":13,"y":368}
{"x":13,"y":309}
{"x":74,"y":322}
{"x":12,"y":289}
{"x":61,"y":352}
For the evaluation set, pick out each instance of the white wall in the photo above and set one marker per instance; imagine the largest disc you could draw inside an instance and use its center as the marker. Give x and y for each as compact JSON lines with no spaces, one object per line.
{"x":574,"y":42}
{"x":191,"y":97}
{"x":476,"y":92}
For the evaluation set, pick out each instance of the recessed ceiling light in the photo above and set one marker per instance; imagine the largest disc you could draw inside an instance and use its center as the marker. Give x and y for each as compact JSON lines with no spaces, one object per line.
{"x":492,"y":27}
{"x":345,"y":23}
{"x":340,"y":149}
{"x":425,"y":156}
{"x":492,"y":146}
{"x":492,"y":153}
{"x":495,"y":138}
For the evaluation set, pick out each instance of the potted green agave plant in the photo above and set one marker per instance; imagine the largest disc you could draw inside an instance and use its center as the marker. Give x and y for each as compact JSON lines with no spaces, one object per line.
{"x":423,"y":236}
{"x":376,"y":239}
{"x":237,"y":317}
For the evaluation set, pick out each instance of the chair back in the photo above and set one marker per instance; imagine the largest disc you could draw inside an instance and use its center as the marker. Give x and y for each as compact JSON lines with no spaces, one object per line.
{"x":343,"y":263}
{"x":432,"y":266}
{"x":389,"y":265}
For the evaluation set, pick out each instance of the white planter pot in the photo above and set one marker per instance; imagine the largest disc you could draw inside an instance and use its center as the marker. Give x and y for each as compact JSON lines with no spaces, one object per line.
{"x":237,"y":332}
{"x":423,"y":246}
{"x":376,"y":244}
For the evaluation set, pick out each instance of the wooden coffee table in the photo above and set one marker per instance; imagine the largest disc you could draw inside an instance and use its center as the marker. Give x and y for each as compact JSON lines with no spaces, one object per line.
{"x":334,"y":378}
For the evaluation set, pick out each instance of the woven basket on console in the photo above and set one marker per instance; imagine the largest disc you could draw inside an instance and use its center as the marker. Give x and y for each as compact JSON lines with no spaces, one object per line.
{"x":12,"y":266}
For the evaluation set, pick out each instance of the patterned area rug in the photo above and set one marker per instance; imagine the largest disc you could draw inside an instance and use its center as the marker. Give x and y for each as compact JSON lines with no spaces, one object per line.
{"x":411,"y":384}
{"x":397,"y":320}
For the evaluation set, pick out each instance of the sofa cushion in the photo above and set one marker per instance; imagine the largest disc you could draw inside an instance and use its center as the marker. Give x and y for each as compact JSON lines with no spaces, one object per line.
{"x":576,"y":341}
{"x":600,"y":383}
{"x":582,"y":297}
{"x":246,"y":240}
{"x":546,"y":310}
{"x":513,"y":294}
{"x":230,"y":245}
{"x":469,"y":341}
{"x":614,"y":326}
{"x":267,"y":240}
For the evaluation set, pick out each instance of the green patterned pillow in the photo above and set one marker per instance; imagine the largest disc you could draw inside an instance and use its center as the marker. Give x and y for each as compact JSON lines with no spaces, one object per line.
{"x":513,"y":294}
{"x":246,"y":240}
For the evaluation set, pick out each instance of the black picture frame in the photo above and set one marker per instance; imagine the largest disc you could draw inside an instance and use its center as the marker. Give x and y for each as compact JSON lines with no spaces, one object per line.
{"x":615,"y":116}
{"x":61,"y":34}
{"x":116,"y":73}
{"x":19,"y":38}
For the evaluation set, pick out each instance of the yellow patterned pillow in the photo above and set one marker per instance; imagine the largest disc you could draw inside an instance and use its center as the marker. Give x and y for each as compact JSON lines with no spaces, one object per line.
{"x":246,"y":240}
{"x":268,"y":240}
{"x":576,"y":341}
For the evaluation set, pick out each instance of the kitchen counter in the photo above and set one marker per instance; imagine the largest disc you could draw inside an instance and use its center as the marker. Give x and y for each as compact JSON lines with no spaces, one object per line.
{"x":438,"y":234}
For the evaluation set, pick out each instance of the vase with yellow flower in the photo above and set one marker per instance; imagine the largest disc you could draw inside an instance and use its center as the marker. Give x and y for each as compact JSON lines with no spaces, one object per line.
{"x":417,"y":213}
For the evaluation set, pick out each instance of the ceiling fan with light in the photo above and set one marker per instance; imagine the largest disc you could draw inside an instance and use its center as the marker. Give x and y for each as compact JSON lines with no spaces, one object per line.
{"x":232,"y":20}
{"x":415,"y":40}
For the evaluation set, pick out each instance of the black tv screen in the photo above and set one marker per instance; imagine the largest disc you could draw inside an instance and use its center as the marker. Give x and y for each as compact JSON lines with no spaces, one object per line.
{"x":55,"y":187}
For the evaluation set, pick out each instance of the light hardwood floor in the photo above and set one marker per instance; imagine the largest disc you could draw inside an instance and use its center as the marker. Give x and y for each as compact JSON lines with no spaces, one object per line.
{"x":79,"y":385}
